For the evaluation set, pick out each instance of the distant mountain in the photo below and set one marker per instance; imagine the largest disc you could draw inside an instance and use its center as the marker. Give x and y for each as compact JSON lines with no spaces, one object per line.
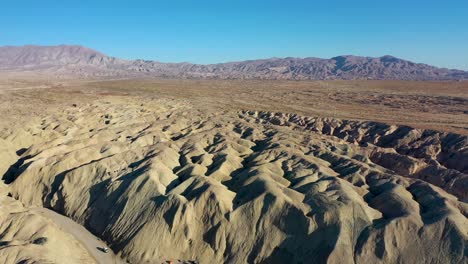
{"x":63,"y":60}
{"x":78,"y":61}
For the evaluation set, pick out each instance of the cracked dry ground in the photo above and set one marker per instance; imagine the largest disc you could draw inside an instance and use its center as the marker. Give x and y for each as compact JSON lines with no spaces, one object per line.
{"x":160,"y":179}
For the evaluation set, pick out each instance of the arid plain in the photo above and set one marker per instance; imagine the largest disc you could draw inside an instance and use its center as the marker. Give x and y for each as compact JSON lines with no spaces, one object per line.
{"x":233,"y":171}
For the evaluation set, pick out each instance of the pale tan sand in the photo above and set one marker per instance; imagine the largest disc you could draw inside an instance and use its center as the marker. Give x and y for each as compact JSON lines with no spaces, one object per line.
{"x":161,"y":176}
{"x":88,"y":240}
{"x":28,"y":237}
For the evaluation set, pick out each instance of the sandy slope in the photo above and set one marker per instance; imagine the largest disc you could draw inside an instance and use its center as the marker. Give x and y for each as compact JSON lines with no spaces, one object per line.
{"x":88,"y":240}
{"x":160,"y":178}
{"x":28,"y":237}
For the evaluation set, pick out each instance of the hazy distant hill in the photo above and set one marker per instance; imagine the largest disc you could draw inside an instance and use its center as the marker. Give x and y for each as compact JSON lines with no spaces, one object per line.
{"x":70,"y":60}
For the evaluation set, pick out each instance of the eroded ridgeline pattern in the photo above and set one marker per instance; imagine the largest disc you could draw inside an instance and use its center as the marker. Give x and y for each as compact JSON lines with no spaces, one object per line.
{"x":162,"y":179}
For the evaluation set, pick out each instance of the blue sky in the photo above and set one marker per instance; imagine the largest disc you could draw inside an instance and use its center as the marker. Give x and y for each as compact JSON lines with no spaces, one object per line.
{"x":434,"y":32}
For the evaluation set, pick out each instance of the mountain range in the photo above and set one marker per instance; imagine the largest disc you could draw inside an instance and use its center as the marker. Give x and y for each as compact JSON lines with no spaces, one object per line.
{"x":79,"y":61}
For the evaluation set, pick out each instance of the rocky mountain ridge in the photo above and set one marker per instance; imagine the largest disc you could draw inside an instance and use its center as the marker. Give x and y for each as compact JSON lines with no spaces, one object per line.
{"x":79,"y":61}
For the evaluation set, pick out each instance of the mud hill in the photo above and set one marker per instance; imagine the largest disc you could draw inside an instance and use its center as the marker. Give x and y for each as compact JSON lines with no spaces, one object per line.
{"x":28,"y":237}
{"x":77,"y":61}
{"x":162,"y":178}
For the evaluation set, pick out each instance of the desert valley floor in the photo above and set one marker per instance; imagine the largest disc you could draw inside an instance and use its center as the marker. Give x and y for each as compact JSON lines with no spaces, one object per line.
{"x":233,"y":171}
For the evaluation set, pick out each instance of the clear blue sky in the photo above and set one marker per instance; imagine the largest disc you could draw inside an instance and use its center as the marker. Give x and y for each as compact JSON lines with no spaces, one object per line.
{"x":434,"y":32}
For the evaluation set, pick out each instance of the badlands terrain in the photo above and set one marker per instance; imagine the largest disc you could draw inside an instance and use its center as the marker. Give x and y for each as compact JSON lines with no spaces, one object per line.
{"x":211,"y":171}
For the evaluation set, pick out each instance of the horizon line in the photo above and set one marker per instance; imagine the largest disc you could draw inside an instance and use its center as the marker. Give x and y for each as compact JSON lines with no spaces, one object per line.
{"x":232,"y":61}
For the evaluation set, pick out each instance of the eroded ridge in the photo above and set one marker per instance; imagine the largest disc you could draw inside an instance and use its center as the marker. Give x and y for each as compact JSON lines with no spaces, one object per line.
{"x":28,"y":237}
{"x":436,"y":157}
{"x":160,"y":179}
